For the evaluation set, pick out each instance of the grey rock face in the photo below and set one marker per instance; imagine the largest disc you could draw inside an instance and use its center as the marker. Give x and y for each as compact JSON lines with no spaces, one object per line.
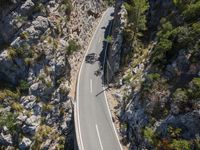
{"x":29,"y":129}
{"x":115,"y":50}
{"x":33,"y":120}
{"x":26,"y":142}
{"x":60,"y":65}
{"x":31,"y":125}
{"x":11,"y":70}
{"x":42,"y":63}
{"x":40,"y":24}
{"x":22,"y":118}
{"x":189,"y":123}
{"x":34,"y":88}
{"x":28,"y":101}
{"x":6,"y":139}
{"x":10,"y":24}
{"x":27,"y":7}
{"x":37,"y":109}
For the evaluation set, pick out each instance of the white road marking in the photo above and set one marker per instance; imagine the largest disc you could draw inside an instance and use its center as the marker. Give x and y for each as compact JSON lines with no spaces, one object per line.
{"x":99,"y":137}
{"x":77,"y":121}
{"x":91,"y":85}
{"x":104,"y":89}
{"x":99,"y":40}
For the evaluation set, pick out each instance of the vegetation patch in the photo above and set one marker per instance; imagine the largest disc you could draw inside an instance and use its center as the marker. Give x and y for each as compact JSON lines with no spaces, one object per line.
{"x":72,"y":47}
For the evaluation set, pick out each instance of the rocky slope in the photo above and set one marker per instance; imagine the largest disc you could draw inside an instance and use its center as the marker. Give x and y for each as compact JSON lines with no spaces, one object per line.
{"x":37,"y":38}
{"x":158,"y":86}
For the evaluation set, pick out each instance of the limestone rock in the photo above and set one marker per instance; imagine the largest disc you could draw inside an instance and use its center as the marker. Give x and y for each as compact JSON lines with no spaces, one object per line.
{"x":27,"y":7}
{"x":31,"y":125}
{"x":11,"y":70}
{"x":6,"y":139}
{"x":26,"y":142}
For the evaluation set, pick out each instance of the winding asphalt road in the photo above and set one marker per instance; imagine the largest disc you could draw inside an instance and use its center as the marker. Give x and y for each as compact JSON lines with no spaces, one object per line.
{"x":95,"y":129}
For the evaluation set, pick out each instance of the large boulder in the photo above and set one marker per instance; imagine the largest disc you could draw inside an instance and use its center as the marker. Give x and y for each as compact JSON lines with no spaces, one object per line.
{"x":5,"y":139}
{"x":28,"y":101}
{"x":31,"y":125}
{"x":26,"y":142}
{"x":27,"y":7}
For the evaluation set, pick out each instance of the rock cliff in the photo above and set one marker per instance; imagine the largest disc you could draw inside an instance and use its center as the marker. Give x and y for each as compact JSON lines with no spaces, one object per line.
{"x":157,"y":86}
{"x":37,"y":37}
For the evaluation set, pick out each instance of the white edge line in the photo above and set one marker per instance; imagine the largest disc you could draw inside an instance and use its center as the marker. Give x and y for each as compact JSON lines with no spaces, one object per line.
{"x":99,"y":137}
{"x":78,"y":132}
{"x":104,"y":89}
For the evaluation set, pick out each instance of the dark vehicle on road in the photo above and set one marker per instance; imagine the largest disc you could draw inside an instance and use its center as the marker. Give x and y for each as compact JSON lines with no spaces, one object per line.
{"x":91,"y":58}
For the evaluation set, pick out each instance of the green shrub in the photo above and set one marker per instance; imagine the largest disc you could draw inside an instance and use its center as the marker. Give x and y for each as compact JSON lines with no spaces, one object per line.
{"x":61,"y":145}
{"x":174,"y":132}
{"x":9,"y":120}
{"x":43,"y":132}
{"x":108,"y":39}
{"x":23,"y":51}
{"x":197,"y":143}
{"x":48,"y":83}
{"x":8,"y":94}
{"x":28,"y":61}
{"x":136,"y":14}
{"x":17,"y":107}
{"x":180,"y":95}
{"x":47,"y":107}
{"x":67,"y":7}
{"x":24,"y":35}
{"x":194,"y":90}
{"x":150,"y":79}
{"x":159,"y":53}
{"x":23,"y":85}
{"x":127,"y":78}
{"x":180,"y":145}
{"x":166,"y":28}
{"x":181,"y":4}
{"x":64,"y":90}
{"x":153,"y":77}
{"x":110,"y":2}
{"x":39,"y":7}
{"x":72,"y":47}
{"x":21,"y":19}
{"x":192,"y":11}
{"x":149,"y":134}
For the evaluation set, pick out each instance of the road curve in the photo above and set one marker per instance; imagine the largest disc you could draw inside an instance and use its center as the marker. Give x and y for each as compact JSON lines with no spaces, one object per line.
{"x":94,"y":126}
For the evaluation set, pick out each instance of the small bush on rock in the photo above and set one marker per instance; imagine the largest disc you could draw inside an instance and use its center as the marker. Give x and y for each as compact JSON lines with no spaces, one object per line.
{"x":8,"y":119}
{"x":67,"y":6}
{"x":8,"y":94}
{"x":180,"y":145}
{"x":23,"y":85}
{"x":17,"y":107}
{"x":73,"y":46}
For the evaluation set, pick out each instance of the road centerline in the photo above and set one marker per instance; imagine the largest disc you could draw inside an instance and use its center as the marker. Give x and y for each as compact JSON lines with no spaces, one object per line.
{"x":91,"y":85}
{"x":99,"y":137}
